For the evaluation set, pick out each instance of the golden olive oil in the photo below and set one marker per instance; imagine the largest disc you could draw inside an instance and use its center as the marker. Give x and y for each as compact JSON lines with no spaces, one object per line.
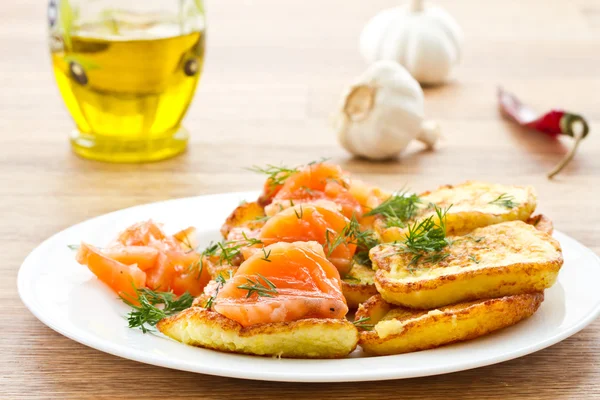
{"x":129,"y":93}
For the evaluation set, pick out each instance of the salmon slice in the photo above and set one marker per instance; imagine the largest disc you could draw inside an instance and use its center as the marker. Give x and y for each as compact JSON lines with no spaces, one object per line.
{"x":314,"y":182}
{"x":308,"y":222}
{"x":121,"y":278}
{"x":141,"y":234}
{"x":144,"y":256}
{"x":168,"y":262}
{"x":298,"y":281}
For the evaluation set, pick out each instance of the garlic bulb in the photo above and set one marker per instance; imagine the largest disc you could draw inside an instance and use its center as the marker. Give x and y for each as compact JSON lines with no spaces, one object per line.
{"x":426,"y":40}
{"x":382,"y":112}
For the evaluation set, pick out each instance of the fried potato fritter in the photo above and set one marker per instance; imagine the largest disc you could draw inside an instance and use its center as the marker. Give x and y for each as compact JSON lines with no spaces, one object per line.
{"x":246,"y":215}
{"x":307,"y":338}
{"x":498,"y":260}
{"x":472,"y":205}
{"x":399,"y":330}
{"x":358,"y":285}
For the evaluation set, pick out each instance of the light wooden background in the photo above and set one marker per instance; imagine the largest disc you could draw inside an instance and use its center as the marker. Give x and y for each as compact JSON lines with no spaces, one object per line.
{"x":273,"y":75}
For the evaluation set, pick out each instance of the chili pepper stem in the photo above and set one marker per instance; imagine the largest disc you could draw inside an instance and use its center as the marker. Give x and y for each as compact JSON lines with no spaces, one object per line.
{"x":563,"y":163}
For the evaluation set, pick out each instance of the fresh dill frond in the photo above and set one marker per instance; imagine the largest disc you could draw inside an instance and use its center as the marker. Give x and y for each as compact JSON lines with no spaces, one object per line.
{"x":276,"y":175}
{"x":428,"y":235}
{"x":332,"y":244}
{"x":300,"y":214}
{"x":266,"y":289}
{"x":266,"y":255}
{"x":73,"y":247}
{"x":220,"y":282}
{"x":505,"y":200}
{"x":351,"y":234}
{"x":398,"y":209}
{"x":360,"y":323}
{"x":426,"y":239}
{"x":319,"y":161}
{"x":362,"y":258}
{"x":153,"y":306}
{"x":198,"y":266}
{"x":350,"y":278}
{"x":231,"y":249}
{"x":262,"y":218}
{"x":474,"y":259}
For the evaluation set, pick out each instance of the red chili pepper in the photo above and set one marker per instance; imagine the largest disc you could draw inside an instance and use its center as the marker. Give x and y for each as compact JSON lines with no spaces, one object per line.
{"x":553,"y":123}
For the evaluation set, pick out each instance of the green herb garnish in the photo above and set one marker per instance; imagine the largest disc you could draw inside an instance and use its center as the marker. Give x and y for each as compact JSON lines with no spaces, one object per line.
{"x":360,"y":323}
{"x":73,"y":247}
{"x":426,"y":237}
{"x":154,"y":306}
{"x":362,"y":258}
{"x":474,"y":259}
{"x":220,"y":282}
{"x":262,"y":290}
{"x":350,"y":278}
{"x":351,"y":234}
{"x":300,"y":214}
{"x":266,"y":255}
{"x":229,"y":250}
{"x":277,"y":175}
{"x":505,"y":200}
{"x":397,"y":209}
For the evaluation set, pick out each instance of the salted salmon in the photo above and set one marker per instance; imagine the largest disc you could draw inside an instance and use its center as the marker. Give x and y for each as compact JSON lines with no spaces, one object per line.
{"x":121,"y":278}
{"x":309,"y":222}
{"x":167,"y":262}
{"x":286,"y":282}
{"x":313,"y":182}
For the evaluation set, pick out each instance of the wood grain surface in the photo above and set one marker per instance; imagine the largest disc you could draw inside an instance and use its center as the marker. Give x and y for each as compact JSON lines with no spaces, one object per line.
{"x":273,"y":76}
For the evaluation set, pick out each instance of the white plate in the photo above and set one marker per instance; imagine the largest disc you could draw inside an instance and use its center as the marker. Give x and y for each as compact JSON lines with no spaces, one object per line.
{"x":69,"y":299}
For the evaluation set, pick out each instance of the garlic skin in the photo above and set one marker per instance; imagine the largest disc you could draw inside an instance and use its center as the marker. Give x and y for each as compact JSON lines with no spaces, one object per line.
{"x":382,"y":112}
{"x":426,"y":40}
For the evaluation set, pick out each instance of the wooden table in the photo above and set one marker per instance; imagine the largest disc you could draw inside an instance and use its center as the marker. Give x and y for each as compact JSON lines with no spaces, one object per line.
{"x":273,"y":76}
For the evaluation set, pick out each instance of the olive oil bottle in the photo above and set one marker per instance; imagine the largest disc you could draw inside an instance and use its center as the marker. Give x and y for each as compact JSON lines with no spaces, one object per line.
{"x":127,"y":87}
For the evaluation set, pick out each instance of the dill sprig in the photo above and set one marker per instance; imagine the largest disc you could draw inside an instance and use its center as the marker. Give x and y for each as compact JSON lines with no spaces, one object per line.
{"x":351,"y":234}
{"x":505,"y":200}
{"x":362,"y":258}
{"x":73,"y":247}
{"x":154,"y":306}
{"x":231,"y":249}
{"x":220,"y":282}
{"x":262,"y":218}
{"x":350,"y":278}
{"x":474,"y":259}
{"x":300,"y":214}
{"x":360,"y":323}
{"x":259,"y":288}
{"x":427,"y":238}
{"x":398,"y":208}
{"x":198,"y":266}
{"x":266,"y":255}
{"x":277,"y":175}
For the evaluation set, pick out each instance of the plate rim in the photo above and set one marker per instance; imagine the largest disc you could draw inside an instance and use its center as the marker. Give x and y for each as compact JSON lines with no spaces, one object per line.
{"x":282,"y":376}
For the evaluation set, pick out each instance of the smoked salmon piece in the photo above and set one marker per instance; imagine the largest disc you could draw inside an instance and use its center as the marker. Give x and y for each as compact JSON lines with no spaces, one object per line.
{"x":121,"y":278}
{"x":145,"y":256}
{"x":308,"y":222}
{"x":286,"y":282}
{"x":320,"y":181}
